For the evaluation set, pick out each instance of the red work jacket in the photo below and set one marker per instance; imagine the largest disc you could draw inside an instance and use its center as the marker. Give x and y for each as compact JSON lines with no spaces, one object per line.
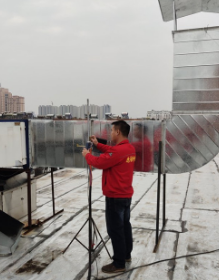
{"x":117,"y":163}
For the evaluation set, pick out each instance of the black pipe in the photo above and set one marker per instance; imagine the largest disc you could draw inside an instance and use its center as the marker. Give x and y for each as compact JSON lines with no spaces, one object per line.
{"x":158,"y":194}
{"x":53,"y":196}
{"x":164,"y":199}
{"x":29,"y":198}
{"x":90,"y":233}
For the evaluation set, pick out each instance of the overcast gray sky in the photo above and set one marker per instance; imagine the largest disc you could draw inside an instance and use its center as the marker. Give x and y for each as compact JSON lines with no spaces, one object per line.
{"x":116,"y":52}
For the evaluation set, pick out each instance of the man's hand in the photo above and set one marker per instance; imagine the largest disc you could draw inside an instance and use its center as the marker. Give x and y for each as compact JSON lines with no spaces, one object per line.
{"x":84,"y":152}
{"x":94,"y":139}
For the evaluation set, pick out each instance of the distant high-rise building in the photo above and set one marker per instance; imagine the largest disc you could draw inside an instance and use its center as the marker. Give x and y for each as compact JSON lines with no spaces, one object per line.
{"x":10,"y":103}
{"x":18,"y":103}
{"x":44,"y":110}
{"x":103,"y":110}
{"x":74,"y":110}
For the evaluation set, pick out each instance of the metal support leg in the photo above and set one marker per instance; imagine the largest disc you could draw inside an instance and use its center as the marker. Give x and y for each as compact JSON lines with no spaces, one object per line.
{"x":38,"y":222}
{"x":53,"y":199}
{"x":90,"y":234}
{"x":53,"y":196}
{"x":90,"y":248}
{"x":29,"y":198}
{"x":158,"y":195}
{"x":164,"y":199}
{"x":158,"y":237}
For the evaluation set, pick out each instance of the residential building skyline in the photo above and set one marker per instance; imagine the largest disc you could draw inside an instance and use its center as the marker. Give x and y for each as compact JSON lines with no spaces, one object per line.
{"x":10,"y":103}
{"x":76,"y":111}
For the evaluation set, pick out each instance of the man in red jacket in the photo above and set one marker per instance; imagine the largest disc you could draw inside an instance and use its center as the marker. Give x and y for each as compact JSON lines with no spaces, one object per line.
{"x":117,"y":163}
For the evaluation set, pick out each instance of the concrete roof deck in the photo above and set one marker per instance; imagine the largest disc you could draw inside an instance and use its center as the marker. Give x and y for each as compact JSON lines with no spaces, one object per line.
{"x":192,"y":227}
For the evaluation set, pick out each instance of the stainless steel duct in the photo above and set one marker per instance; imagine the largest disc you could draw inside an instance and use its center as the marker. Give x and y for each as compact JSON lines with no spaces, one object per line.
{"x":196,"y":70}
{"x":191,"y":142}
{"x":60,"y":143}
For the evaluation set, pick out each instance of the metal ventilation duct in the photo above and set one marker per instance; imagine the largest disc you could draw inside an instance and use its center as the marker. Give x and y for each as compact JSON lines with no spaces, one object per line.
{"x":60,"y":143}
{"x":187,"y":7}
{"x":196,"y":70}
{"x":191,"y":142}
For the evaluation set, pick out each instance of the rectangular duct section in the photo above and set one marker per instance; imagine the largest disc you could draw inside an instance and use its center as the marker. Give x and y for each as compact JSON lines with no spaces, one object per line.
{"x":60,"y":143}
{"x":196,"y":70}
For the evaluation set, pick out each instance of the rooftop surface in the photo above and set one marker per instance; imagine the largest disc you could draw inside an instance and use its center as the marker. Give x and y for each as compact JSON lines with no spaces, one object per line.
{"x":192,"y":229}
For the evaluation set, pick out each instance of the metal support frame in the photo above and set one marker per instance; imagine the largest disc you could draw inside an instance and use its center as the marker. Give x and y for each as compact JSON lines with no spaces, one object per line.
{"x":90,"y":247}
{"x":30,"y":225}
{"x":157,"y":236}
{"x":90,"y":219}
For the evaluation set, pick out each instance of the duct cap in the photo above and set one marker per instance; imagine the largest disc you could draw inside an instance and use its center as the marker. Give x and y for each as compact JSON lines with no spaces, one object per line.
{"x":187,"y":7}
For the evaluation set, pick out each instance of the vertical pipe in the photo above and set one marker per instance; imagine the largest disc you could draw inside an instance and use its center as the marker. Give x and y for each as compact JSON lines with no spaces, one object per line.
{"x":164,"y":199}
{"x":158,"y":193}
{"x":89,"y":201}
{"x":174,"y":16}
{"x":163,"y":139}
{"x":88,"y":120}
{"x":90,"y":233}
{"x":29,"y":198}
{"x":53,"y":196}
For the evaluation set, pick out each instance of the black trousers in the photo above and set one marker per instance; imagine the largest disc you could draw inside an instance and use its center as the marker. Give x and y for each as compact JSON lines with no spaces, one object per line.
{"x":119,"y":229}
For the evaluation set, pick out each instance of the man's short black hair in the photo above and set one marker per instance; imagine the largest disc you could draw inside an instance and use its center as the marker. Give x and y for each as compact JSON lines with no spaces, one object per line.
{"x":123,"y":127}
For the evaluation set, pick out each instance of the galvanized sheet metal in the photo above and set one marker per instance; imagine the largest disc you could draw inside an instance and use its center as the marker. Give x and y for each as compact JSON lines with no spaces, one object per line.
{"x":187,"y":7}
{"x":196,"y":72}
{"x":196,"y":96}
{"x":196,"y":35}
{"x":193,"y":72}
{"x":196,"y":59}
{"x":196,"y":46}
{"x":191,"y":142}
{"x":195,"y":106}
{"x":196,"y":84}
{"x":60,"y":143}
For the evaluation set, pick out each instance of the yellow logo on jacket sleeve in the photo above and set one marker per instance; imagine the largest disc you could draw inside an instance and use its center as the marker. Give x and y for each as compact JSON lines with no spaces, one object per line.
{"x":130,"y":159}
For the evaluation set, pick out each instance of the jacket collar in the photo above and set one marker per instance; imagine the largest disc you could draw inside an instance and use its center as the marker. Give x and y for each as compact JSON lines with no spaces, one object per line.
{"x":123,"y":142}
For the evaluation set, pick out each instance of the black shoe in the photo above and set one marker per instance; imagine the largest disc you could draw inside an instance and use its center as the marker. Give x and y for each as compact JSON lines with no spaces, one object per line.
{"x":110,"y":268}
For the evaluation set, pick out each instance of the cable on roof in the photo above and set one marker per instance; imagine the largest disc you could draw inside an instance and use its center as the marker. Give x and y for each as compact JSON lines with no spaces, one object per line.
{"x":157,"y":262}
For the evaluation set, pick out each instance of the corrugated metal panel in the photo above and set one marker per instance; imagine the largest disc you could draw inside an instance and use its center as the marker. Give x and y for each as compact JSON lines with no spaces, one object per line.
{"x":187,"y":7}
{"x":196,"y":70}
